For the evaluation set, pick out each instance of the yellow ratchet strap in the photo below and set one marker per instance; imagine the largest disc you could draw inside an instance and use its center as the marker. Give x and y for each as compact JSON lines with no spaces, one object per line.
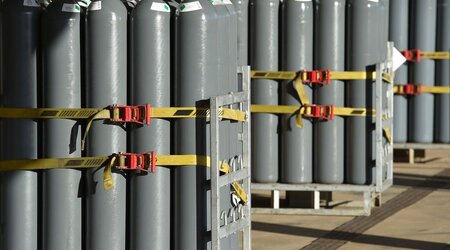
{"x":317,"y":77}
{"x":416,"y":55}
{"x":321,"y":76}
{"x":312,"y":111}
{"x":114,"y":113}
{"x":141,"y":114}
{"x":438,"y":55}
{"x":123,"y":161}
{"x":417,"y":89}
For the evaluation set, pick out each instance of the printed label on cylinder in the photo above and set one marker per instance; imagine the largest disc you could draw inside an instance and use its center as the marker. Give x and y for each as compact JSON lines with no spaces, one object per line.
{"x":30,"y":3}
{"x":160,"y":7}
{"x":220,"y":2}
{"x":74,"y":8}
{"x":190,"y":6}
{"x":97,"y":5}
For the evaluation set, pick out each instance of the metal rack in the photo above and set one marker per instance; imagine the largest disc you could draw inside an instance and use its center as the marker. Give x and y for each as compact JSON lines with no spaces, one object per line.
{"x":383,"y":165}
{"x":240,"y":170}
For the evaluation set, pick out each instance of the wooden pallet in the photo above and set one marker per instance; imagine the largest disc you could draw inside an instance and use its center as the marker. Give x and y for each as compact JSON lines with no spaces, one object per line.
{"x":417,"y":150}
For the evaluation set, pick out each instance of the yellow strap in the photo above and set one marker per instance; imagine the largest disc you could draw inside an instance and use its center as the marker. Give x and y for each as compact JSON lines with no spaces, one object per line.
{"x":440,"y":55}
{"x":96,"y":114}
{"x":301,"y":76}
{"x":111,"y":161}
{"x":305,"y":110}
{"x":102,"y":114}
{"x":387,"y":134}
{"x":285,"y":109}
{"x":274,"y":75}
{"x":60,"y":163}
{"x":359,"y":75}
{"x":199,"y":160}
{"x":334,"y":75}
{"x":389,"y":78}
{"x":352,"y":75}
{"x":240,"y":192}
{"x":281,"y":109}
{"x":108,"y":180}
{"x":398,"y":89}
{"x":298,"y":85}
{"x":435,"y":89}
{"x":108,"y":113}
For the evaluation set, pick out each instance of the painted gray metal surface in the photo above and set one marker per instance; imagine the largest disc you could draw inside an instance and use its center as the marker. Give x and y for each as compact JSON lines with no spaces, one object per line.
{"x":384,"y":29}
{"x":297,"y":54}
{"x":225,"y":55}
{"x":106,"y":85}
{"x":384,"y":36}
{"x":62,"y":200}
{"x":196,"y":80}
{"x":235,"y":145}
{"x":421,"y":117}
{"x":225,"y":86}
{"x":329,"y":54}
{"x":362,"y":54}
{"x":19,"y":138}
{"x":241,"y":7}
{"x":232,"y":65}
{"x":398,"y":33}
{"x":442,"y":108}
{"x":264,"y":24}
{"x":150,"y":205}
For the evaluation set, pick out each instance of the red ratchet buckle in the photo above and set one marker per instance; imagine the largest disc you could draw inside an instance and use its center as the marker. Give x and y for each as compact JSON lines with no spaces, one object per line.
{"x":317,"y":76}
{"x":412,"y":89}
{"x":412,"y":55}
{"x":321,"y":112}
{"x":140,"y":114}
{"x":137,"y":162}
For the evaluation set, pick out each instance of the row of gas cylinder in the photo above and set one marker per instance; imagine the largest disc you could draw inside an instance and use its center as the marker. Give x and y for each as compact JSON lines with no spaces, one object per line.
{"x":68,"y":54}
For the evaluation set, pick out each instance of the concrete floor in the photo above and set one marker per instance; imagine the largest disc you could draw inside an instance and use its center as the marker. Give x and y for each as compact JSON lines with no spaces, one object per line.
{"x":422,"y":225}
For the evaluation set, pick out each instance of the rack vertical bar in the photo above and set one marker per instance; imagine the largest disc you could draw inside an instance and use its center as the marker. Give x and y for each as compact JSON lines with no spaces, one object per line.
{"x":242,"y":175}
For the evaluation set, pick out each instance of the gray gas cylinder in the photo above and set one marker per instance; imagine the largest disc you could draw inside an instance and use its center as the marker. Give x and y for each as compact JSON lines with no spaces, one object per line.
{"x":329,"y":54}
{"x":442,"y":109}
{"x":106,"y":85}
{"x":362,"y":54}
{"x":384,"y":29}
{"x":398,"y":33}
{"x":196,"y":81}
{"x":228,"y":131}
{"x":62,"y":88}
{"x":297,"y":54}
{"x":223,"y":77}
{"x":264,"y":24}
{"x":241,"y":7}
{"x":20,"y":21}
{"x":423,"y":37}
{"x":232,"y":61}
{"x":150,"y":194}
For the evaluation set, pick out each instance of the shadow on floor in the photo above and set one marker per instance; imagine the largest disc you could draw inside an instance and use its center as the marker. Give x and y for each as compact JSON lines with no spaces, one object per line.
{"x":415,"y":180}
{"x":346,"y":236}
